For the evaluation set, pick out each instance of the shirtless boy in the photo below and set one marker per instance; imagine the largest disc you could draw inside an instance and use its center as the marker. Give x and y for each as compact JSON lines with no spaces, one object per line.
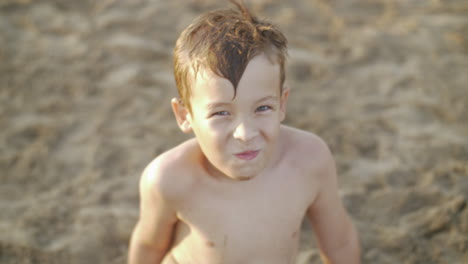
{"x":238,"y":191}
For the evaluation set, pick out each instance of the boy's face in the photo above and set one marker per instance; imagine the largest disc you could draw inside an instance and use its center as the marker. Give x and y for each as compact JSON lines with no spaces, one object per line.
{"x":238,"y":136}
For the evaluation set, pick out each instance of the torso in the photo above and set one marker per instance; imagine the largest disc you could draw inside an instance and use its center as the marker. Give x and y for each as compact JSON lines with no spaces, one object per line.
{"x":255,"y":221}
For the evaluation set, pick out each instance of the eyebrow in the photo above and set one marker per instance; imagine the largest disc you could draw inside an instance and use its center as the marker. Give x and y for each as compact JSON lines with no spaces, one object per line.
{"x":271,"y":97}
{"x":216,"y":105}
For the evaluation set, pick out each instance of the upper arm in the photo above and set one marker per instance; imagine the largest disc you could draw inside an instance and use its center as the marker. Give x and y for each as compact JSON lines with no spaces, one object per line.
{"x":157,"y":208}
{"x":330,"y":221}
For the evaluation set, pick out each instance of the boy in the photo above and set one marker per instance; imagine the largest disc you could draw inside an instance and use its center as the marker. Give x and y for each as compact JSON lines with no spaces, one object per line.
{"x":237,"y":192}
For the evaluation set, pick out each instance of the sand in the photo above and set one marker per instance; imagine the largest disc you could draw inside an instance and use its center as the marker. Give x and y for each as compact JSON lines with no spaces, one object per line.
{"x":84,"y":106}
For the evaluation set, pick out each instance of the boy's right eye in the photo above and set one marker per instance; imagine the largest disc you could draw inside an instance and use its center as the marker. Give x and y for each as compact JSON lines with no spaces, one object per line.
{"x":220,"y":113}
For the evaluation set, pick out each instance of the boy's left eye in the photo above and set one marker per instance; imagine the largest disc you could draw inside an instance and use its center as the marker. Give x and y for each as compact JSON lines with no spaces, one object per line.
{"x":263,"y":108}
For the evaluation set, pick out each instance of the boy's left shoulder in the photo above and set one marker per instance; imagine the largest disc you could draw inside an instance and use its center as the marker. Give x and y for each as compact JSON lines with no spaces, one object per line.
{"x":306,"y":147}
{"x":304,"y":140}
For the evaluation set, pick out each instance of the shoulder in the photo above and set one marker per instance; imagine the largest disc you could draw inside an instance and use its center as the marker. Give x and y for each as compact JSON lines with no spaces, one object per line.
{"x":170,"y":175}
{"x":304,"y":144}
{"x":309,"y":153}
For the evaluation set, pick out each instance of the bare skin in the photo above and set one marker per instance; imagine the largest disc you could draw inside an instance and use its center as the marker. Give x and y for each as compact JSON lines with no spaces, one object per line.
{"x":238,"y":191}
{"x":221,"y":219}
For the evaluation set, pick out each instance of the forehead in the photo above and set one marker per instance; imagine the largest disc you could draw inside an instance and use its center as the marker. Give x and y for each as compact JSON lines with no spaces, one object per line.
{"x":260,"y":78}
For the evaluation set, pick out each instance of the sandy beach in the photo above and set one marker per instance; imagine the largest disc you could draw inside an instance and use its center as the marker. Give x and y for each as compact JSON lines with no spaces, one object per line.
{"x":85,"y":89}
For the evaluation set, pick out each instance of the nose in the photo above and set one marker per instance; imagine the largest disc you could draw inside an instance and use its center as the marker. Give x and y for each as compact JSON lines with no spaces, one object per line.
{"x":245,"y":131}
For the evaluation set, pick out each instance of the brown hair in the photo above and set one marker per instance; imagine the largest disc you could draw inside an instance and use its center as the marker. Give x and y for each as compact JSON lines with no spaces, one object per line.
{"x":224,"y":41}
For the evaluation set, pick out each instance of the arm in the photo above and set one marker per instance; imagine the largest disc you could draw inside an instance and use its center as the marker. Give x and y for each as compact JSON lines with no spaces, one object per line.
{"x":152,"y":235}
{"x":336,"y":235}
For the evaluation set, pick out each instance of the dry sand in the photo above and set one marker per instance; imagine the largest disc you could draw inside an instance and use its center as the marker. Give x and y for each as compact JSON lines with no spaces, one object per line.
{"x":85,"y":89}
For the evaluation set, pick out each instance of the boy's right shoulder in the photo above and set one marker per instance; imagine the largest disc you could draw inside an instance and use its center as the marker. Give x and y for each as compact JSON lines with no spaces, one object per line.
{"x":172,"y":173}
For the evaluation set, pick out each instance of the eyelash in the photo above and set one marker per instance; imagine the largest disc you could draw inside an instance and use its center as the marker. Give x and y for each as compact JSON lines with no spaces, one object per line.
{"x":262,"y":108}
{"x":220,"y":113}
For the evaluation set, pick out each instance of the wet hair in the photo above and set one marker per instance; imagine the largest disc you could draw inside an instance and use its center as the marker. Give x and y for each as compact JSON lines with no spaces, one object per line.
{"x":224,"y":41}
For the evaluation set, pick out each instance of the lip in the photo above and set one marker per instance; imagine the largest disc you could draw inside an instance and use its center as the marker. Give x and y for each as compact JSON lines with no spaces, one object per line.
{"x":248,"y":155}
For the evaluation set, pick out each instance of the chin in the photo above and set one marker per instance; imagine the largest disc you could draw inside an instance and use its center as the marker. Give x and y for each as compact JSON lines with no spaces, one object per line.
{"x":242,"y":178}
{"x":244,"y":174}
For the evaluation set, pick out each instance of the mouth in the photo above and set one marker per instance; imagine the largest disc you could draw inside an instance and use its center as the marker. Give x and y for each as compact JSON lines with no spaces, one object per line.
{"x":248,"y":155}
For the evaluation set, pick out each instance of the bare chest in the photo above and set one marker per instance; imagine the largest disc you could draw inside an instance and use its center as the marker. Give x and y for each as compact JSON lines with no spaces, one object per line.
{"x":240,"y":224}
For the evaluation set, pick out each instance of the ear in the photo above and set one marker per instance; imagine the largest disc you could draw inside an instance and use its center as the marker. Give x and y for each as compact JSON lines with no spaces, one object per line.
{"x":182,"y":115}
{"x":283,"y":100}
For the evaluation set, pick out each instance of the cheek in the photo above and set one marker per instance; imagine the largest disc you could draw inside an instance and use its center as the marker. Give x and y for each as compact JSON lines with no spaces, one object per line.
{"x":215,"y":129}
{"x":215,"y":133}
{"x":269,"y":124}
